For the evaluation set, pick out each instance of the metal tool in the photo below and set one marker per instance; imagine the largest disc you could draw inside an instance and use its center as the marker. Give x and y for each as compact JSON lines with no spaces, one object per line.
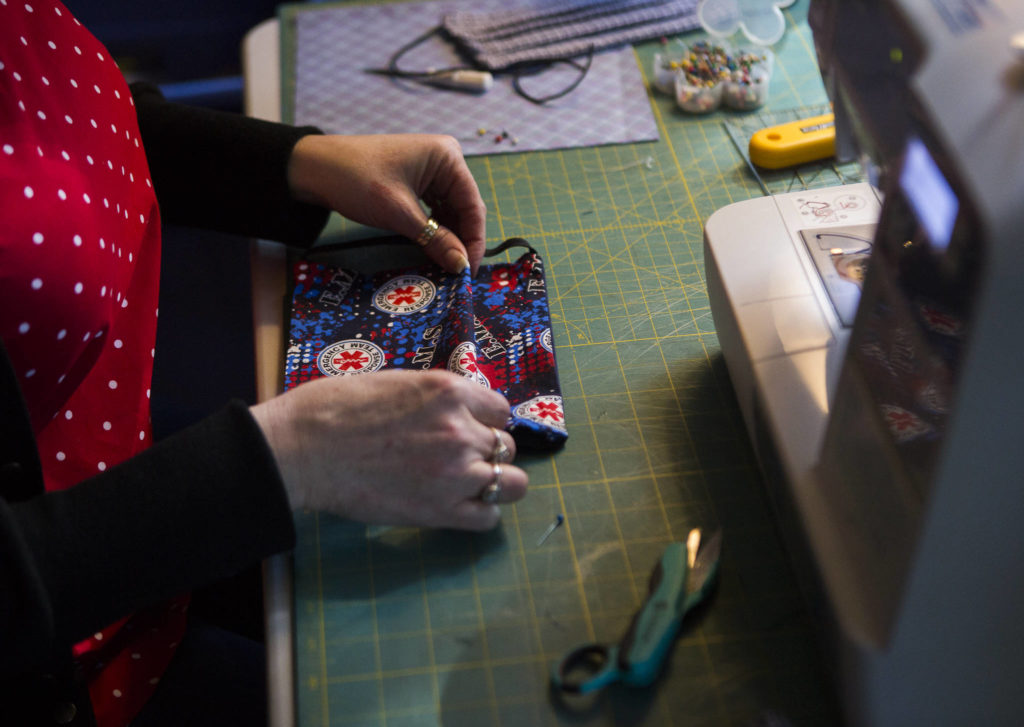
{"x":461,"y":79}
{"x":682,"y":579}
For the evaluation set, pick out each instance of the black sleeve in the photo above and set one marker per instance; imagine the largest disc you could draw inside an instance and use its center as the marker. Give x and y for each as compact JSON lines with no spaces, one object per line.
{"x":222,"y":171}
{"x":197,"y":507}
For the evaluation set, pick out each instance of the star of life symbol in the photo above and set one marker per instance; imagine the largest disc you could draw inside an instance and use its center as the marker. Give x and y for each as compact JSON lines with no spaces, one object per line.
{"x":546,"y":410}
{"x":404,"y":294}
{"x":904,"y":425}
{"x":463,"y":362}
{"x":546,"y":342}
{"x":353,"y":356}
{"x":940,"y":321}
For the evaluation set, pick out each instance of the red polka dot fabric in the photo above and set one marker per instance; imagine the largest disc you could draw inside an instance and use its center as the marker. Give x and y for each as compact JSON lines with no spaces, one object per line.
{"x":79,"y":275}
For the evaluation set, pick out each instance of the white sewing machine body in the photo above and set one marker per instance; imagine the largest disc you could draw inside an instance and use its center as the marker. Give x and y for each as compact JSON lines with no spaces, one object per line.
{"x":889,"y":421}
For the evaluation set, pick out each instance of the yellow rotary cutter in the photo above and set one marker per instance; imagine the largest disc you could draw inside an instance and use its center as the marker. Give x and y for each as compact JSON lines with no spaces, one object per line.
{"x":793,"y":143}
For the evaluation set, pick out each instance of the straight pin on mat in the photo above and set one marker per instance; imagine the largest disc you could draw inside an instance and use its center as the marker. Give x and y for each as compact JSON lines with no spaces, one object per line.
{"x":551,"y":528}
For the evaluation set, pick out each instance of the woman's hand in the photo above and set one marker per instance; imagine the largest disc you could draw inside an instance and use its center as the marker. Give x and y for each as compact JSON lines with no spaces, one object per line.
{"x":393,"y":447}
{"x":379,"y":180}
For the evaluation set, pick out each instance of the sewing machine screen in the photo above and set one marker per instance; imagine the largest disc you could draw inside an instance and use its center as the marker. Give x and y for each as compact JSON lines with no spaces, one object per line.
{"x":933,"y":200}
{"x":915,"y":312}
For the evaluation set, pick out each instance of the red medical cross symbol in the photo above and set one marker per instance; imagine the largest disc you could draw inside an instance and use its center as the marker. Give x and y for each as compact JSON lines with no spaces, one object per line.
{"x":404,"y":296}
{"x":350,"y":360}
{"x":545,"y":410}
{"x":902,"y":421}
{"x":939,"y":319}
{"x":468,"y":361}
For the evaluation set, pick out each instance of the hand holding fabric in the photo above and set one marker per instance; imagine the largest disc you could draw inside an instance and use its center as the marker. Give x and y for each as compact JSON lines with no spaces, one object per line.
{"x":393,"y":447}
{"x":379,"y":180}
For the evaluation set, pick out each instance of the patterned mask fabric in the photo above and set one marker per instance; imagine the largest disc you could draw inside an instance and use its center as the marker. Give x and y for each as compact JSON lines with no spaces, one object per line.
{"x":494,"y":329}
{"x":561,"y":29}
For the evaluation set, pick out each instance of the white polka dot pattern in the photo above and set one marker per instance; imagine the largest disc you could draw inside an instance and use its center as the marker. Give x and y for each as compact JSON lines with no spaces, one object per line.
{"x":79,"y":275}
{"x":70,"y":270}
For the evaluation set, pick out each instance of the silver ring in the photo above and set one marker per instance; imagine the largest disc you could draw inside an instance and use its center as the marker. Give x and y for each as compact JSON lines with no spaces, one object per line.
{"x":492,"y":492}
{"x":427,"y":233}
{"x":501,"y":450}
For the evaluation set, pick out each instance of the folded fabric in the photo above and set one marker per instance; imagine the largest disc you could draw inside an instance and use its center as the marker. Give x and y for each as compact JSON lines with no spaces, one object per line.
{"x":556,"y":30}
{"x":494,"y":329}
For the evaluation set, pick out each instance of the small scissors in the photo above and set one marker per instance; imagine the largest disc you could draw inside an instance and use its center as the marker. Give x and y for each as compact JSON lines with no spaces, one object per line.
{"x":681,"y":579}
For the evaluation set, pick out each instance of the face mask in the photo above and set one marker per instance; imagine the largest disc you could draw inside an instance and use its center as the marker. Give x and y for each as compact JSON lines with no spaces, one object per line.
{"x":560,"y":31}
{"x":494,"y":329}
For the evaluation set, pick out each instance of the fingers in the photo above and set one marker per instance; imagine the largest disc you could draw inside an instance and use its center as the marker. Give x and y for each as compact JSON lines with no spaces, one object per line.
{"x":489,"y":478}
{"x":492,"y":409}
{"x":463,"y":213}
{"x":443,"y":247}
{"x":509,"y":482}
{"x":455,"y":202}
{"x":475,"y":512}
{"x":379,"y":180}
{"x":485,"y":405}
{"x":421,"y":448}
{"x":502,"y":447}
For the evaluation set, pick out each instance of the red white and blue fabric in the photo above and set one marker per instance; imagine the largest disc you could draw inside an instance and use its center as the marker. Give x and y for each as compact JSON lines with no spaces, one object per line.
{"x":494,"y":329}
{"x":79,"y":275}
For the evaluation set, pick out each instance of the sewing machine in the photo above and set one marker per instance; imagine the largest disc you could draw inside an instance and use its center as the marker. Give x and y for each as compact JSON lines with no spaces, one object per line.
{"x":874,"y":335}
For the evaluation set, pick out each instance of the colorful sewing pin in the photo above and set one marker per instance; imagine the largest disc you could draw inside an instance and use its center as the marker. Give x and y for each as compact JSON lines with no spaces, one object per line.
{"x":551,"y":528}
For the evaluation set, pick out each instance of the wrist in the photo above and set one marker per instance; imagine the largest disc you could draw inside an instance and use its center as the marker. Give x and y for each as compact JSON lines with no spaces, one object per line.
{"x":305,"y":173}
{"x":277,"y":437}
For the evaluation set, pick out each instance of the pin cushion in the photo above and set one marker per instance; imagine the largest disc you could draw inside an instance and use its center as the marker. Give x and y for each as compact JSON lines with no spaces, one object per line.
{"x":707,"y":73}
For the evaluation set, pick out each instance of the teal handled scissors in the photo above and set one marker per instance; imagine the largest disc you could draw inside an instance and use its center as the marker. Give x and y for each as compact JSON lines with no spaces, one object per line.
{"x":681,"y":580}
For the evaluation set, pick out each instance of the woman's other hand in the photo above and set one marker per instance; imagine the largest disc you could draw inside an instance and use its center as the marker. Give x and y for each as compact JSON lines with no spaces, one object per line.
{"x":393,"y":447}
{"x":379,"y":180}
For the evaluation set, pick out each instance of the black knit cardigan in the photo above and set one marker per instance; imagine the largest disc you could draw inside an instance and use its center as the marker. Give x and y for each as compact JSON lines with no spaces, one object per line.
{"x":198,"y":506}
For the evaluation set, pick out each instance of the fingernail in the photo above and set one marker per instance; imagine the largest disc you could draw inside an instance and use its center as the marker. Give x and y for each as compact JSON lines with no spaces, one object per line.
{"x":458,"y":262}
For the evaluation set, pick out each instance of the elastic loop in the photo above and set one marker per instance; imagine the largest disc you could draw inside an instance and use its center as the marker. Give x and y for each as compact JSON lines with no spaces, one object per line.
{"x":507,"y":245}
{"x":533,"y":69}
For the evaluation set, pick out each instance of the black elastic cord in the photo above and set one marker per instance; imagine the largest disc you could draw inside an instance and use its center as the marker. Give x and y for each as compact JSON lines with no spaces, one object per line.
{"x":531,"y":68}
{"x":394,"y":70}
{"x":319,"y":251}
{"x":508,"y":244}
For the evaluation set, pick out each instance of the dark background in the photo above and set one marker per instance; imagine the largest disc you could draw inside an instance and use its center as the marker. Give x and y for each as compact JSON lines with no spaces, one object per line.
{"x":192,"y":49}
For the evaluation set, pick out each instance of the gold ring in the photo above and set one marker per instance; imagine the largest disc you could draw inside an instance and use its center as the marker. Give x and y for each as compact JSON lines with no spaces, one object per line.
{"x":427,"y":233}
{"x":501,"y":450}
{"x":492,"y":492}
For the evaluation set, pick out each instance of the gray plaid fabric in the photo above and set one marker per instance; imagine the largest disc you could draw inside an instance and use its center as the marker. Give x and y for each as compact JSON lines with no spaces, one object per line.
{"x":558,"y":30}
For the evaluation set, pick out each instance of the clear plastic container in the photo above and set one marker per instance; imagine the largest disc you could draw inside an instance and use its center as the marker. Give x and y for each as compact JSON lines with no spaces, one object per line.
{"x":747,"y":86}
{"x":664,"y":72}
{"x":710,"y":72}
{"x":760,"y":21}
{"x":698,"y":98}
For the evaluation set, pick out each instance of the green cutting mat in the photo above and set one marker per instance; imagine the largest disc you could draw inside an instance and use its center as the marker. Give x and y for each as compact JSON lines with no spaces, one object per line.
{"x":402,"y":627}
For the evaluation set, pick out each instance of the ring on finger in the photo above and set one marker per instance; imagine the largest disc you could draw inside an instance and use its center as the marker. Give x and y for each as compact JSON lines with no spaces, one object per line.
{"x":501,"y":452}
{"x":492,"y":492}
{"x":430,"y":229}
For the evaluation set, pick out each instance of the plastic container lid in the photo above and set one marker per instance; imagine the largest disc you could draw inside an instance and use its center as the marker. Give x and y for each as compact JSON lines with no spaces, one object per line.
{"x":761,"y":21}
